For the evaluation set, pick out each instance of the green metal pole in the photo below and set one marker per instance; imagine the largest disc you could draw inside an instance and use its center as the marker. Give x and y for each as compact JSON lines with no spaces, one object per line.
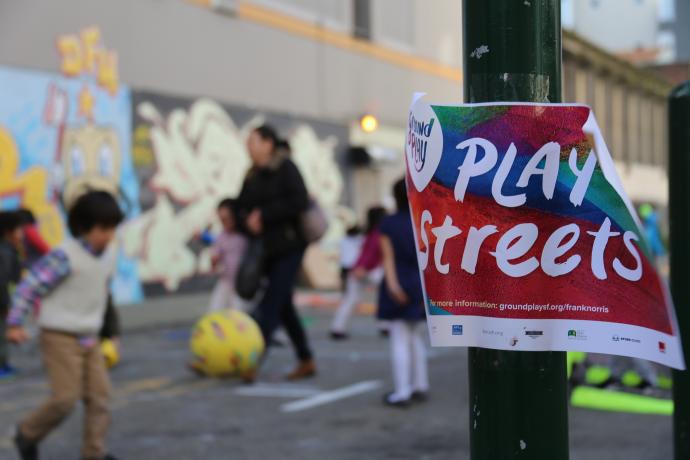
{"x":679,"y":210}
{"x":518,"y":400}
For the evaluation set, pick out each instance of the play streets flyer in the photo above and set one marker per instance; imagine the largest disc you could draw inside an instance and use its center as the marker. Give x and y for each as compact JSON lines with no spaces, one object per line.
{"x":525,"y":237}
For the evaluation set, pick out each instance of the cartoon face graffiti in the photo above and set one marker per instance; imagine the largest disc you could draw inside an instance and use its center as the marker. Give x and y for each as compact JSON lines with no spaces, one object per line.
{"x":91,"y":159}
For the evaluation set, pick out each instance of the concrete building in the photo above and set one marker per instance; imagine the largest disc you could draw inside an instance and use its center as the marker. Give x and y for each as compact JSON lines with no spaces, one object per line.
{"x":631,"y":109}
{"x":641,"y":31}
{"x":295,"y":56}
{"x":615,"y":25}
{"x":681,"y":27}
{"x":183,"y":81}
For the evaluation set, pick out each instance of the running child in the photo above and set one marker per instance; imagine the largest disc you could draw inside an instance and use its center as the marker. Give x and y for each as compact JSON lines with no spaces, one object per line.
{"x":72,"y":282}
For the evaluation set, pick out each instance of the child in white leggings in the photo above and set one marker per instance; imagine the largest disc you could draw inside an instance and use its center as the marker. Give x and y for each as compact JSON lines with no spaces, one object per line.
{"x":365,"y":271}
{"x":402,"y":303}
{"x":408,"y":354}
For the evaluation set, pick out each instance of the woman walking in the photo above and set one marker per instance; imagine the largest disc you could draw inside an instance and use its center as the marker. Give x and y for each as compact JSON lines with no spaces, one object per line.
{"x":272,"y":200}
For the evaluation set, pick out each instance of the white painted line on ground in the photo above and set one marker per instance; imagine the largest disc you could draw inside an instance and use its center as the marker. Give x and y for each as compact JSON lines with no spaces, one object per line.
{"x":327,"y":397}
{"x":277,"y":391}
{"x":379,"y":355}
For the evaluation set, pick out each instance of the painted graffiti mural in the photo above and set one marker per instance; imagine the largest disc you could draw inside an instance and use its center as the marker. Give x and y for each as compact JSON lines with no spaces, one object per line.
{"x":85,"y":54}
{"x":173,"y":158}
{"x":58,"y":137}
{"x":191,"y":154}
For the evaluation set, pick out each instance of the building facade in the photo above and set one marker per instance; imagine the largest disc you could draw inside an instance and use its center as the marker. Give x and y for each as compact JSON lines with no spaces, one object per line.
{"x":154,"y":98}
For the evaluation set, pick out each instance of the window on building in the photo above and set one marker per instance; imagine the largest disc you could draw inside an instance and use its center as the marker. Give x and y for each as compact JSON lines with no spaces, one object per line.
{"x":666,"y":43}
{"x":568,"y":14}
{"x":362,"y":19}
{"x":394,"y":24}
{"x":334,"y":14}
{"x":666,"y":10}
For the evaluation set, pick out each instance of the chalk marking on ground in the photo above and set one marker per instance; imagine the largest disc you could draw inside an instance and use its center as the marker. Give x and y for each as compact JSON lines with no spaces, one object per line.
{"x":137,"y":386}
{"x":277,"y":391}
{"x":328,"y":397}
{"x":185,"y":388}
{"x":155,"y":393}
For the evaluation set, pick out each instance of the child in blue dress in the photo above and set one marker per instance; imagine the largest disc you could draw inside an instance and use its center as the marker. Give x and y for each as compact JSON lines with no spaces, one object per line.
{"x":402,"y":303}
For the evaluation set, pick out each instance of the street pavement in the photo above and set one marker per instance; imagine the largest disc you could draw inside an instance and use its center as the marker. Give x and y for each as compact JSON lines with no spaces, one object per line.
{"x":161,"y":411}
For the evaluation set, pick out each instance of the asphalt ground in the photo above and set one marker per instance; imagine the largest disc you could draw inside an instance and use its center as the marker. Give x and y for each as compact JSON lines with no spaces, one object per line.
{"x":161,"y":411}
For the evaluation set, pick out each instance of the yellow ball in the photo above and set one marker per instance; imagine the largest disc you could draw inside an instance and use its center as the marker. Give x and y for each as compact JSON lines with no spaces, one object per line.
{"x":110,"y":352}
{"x":226,"y":343}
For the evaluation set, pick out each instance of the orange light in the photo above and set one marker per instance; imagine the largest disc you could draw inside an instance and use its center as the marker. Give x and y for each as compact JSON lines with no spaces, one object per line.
{"x":369,"y":123}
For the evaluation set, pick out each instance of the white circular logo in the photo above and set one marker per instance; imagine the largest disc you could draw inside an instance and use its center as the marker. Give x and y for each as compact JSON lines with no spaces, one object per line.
{"x":424,"y":144}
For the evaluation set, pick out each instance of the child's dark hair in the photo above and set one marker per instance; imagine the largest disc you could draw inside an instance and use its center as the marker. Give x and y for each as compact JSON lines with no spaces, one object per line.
{"x":354,"y":230}
{"x":374,"y":216}
{"x":268,"y":133}
{"x":400,"y":195}
{"x":94,"y":209}
{"x":26,"y":216}
{"x":9,"y":222}
{"x":228,"y":203}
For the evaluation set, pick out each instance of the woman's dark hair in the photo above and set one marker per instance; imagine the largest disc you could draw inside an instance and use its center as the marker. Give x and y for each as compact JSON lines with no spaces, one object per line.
{"x":374,"y":216}
{"x":9,"y":222}
{"x":268,"y":133}
{"x":26,"y":216}
{"x":283,"y":145}
{"x":94,"y":209}
{"x":400,"y":195}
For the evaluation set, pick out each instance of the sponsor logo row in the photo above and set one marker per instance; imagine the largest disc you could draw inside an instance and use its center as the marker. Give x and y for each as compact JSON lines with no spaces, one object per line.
{"x":573,"y":334}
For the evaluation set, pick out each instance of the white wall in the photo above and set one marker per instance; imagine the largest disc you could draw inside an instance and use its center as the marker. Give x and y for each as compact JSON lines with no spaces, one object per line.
{"x":428,"y":29}
{"x":616,"y":25}
{"x":173,"y":46}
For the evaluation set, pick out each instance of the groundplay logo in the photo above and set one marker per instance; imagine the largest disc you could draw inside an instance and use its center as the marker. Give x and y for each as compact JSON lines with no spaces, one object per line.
{"x":424,"y":144}
{"x":457,"y":329}
{"x":419,"y":134}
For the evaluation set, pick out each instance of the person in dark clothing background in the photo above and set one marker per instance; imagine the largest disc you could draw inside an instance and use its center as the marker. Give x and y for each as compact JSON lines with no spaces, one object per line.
{"x":270,"y":205}
{"x":34,"y":246}
{"x":10,"y":271}
{"x":111,"y":322}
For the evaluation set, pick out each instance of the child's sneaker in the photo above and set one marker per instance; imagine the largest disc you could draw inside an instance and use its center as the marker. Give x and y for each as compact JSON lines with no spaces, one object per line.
{"x":392,"y":400}
{"x":419,"y":396}
{"x":26,"y":450}
{"x":336,"y":335}
{"x":7,"y":372}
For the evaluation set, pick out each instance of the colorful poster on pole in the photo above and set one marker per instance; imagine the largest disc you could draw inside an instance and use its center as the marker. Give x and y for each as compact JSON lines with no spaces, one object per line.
{"x":525,"y":237}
